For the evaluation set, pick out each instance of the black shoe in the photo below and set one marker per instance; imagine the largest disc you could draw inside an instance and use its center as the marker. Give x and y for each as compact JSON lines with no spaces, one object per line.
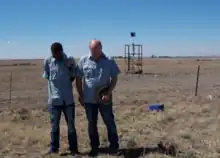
{"x":74,"y":152}
{"x":51,"y":152}
{"x":93,"y":153}
{"x":115,"y":152}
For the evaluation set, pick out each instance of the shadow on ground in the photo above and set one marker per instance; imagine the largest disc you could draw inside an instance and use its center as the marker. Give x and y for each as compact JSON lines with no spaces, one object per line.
{"x":137,"y":152}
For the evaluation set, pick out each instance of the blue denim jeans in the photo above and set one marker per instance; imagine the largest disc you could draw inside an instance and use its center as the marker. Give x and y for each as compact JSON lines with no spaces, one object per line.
{"x":55,"y":115}
{"x":107,"y":115}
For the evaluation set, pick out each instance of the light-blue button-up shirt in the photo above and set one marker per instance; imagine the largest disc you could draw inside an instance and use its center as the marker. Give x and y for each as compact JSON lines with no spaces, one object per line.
{"x":95,"y":74}
{"x":60,"y":90}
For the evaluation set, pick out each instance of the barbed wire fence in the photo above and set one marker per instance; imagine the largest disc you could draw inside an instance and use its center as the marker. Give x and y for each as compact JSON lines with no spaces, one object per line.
{"x":22,"y":90}
{"x":24,"y":86}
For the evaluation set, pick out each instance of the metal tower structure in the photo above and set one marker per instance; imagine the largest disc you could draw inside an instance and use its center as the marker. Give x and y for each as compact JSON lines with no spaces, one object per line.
{"x":133,"y":57}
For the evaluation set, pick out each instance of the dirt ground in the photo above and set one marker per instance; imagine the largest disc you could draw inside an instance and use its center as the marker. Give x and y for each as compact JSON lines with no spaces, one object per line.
{"x":189,"y":124}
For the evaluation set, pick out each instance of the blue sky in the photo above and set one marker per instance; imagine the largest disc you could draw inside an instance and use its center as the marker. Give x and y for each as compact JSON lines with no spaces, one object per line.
{"x":164,"y":27}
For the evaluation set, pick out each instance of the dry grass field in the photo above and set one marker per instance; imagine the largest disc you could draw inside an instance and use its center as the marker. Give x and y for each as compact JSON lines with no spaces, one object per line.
{"x":190,"y":124}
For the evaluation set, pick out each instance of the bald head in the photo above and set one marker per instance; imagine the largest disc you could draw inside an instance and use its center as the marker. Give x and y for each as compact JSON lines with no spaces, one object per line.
{"x":95,"y":48}
{"x":95,"y":43}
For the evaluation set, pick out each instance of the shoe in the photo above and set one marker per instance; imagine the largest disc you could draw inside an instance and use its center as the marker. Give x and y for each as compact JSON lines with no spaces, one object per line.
{"x":74,"y":152}
{"x":115,"y":152}
{"x":93,"y":153}
{"x":51,"y":152}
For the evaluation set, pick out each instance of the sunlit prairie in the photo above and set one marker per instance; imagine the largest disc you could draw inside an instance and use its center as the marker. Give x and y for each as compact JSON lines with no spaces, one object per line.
{"x":190,"y":124}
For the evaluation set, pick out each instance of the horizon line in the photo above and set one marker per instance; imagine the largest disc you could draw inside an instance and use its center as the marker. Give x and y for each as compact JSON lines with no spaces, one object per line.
{"x":122,"y":57}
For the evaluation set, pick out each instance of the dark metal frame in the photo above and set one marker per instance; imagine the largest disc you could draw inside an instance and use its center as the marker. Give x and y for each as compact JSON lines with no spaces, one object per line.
{"x":133,"y":57}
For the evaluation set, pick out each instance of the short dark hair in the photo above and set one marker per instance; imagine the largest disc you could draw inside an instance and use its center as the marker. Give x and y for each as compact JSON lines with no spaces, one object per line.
{"x":56,"y":47}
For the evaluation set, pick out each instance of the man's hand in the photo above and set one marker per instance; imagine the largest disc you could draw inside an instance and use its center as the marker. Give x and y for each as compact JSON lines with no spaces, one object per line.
{"x":106,"y":97}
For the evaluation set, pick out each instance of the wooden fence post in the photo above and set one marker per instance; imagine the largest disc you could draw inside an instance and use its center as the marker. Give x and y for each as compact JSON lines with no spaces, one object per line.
{"x":10,"y":87}
{"x":197,"y":80}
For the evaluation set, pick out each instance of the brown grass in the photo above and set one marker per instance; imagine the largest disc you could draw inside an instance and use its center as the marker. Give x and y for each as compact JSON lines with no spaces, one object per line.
{"x":189,"y":124}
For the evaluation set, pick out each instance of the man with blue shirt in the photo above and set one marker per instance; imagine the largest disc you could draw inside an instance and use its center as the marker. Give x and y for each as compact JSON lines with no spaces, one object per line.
{"x":60,"y":73}
{"x":93,"y":71}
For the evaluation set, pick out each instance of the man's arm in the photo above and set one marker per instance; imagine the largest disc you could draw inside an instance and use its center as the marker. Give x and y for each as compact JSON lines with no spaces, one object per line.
{"x":114,"y":71}
{"x":72,"y":69}
{"x":46,"y":69}
{"x":79,"y":86}
{"x":112,"y":84}
{"x":79,"y":76}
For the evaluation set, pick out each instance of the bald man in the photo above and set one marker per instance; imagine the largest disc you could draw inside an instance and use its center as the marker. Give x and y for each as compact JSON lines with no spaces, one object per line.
{"x":95,"y":70}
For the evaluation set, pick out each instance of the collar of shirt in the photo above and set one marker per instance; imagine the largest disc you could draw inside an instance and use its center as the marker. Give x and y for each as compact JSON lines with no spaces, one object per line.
{"x":103,"y":56}
{"x":64,"y":56}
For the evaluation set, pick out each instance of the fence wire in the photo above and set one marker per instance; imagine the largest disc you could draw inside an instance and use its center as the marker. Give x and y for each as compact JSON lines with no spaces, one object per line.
{"x":23,"y":85}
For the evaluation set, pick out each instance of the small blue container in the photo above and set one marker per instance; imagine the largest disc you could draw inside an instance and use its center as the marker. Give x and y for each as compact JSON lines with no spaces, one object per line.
{"x":156,"y":107}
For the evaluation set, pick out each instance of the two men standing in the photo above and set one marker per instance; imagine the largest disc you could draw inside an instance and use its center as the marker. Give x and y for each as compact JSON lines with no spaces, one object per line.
{"x":92,"y":71}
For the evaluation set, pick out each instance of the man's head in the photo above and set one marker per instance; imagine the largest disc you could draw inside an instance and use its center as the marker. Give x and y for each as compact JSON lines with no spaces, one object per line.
{"x":57,"y":50}
{"x":96,"y":48}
